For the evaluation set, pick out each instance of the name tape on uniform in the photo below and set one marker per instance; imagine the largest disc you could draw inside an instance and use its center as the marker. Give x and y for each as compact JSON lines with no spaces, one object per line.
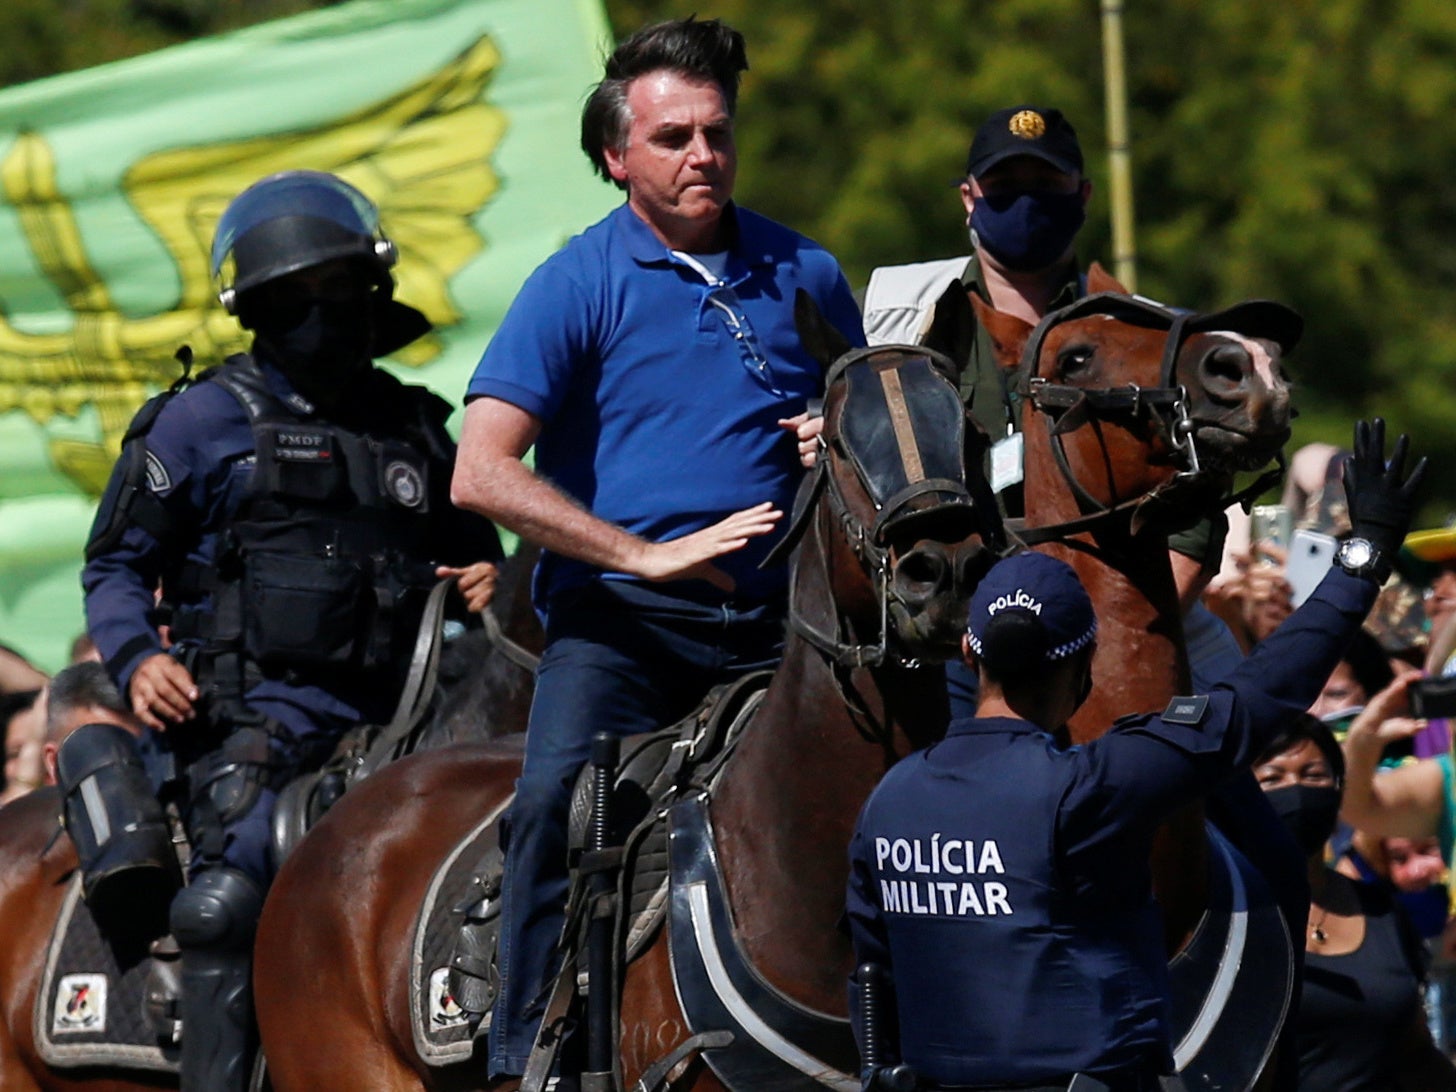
{"x":914,"y":858}
{"x":1186,"y":710}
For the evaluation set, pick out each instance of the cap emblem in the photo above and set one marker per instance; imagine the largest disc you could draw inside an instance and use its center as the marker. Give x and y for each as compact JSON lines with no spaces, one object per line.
{"x":1027,"y":124}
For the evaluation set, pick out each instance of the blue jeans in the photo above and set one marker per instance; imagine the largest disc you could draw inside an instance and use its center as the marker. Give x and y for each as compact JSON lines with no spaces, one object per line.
{"x":620,"y":657}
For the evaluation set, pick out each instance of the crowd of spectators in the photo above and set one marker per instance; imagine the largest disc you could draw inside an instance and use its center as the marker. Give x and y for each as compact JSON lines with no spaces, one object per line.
{"x":1391,"y":852}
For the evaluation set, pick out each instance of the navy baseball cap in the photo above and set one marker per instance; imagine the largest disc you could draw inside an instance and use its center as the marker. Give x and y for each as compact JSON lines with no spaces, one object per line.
{"x":1025,"y":130}
{"x":1030,"y":607}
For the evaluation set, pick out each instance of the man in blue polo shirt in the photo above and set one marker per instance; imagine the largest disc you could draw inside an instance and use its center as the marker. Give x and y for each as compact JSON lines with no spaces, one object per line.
{"x":654,"y":364}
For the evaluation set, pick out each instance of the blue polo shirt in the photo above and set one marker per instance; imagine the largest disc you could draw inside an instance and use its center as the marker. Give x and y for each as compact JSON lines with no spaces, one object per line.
{"x":656,"y":417}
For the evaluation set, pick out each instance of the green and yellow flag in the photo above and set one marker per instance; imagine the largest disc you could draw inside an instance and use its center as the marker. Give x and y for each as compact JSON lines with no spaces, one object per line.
{"x":459,"y":118}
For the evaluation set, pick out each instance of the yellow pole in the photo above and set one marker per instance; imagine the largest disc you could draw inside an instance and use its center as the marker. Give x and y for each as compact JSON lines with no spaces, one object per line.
{"x":1119,"y":157}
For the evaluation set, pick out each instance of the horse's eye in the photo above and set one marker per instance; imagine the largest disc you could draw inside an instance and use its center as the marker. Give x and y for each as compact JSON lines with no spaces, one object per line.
{"x":1075,"y":360}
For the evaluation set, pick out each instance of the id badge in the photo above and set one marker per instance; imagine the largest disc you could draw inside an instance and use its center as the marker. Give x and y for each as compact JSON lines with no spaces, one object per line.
{"x":1006,"y":462}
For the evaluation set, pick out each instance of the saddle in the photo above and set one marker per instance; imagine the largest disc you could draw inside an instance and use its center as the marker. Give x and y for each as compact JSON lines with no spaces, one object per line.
{"x":454,"y":982}
{"x":104,"y":999}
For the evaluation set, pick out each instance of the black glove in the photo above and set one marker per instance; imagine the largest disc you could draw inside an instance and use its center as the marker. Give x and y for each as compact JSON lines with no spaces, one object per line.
{"x":1381,"y":503}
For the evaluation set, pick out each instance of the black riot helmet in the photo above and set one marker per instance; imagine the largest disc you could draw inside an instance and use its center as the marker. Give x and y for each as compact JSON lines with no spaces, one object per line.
{"x":290,"y":221}
{"x":296,"y":219}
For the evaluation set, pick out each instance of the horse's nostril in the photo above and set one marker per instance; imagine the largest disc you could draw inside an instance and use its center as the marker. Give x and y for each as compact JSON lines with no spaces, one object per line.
{"x":922,"y":572}
{"x":1228,"y":364}
{"x":971,"y":567}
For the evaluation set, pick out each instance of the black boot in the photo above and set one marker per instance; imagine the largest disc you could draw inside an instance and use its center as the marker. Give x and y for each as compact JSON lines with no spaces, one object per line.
{"x":213,"y":920}
{"x":218,"y":1038}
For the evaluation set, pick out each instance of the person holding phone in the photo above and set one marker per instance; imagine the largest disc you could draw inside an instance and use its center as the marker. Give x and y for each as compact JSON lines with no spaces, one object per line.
{"x":1415,"y":800}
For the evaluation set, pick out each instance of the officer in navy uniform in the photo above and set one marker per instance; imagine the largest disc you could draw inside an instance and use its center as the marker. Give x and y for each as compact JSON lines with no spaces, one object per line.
{"x":291,"y":509}
{"x":1000,"y":878}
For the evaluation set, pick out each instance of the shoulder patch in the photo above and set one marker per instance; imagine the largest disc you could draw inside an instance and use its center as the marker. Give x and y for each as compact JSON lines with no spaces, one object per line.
{"x":1188,"y":710}
{"x":158,"y":480}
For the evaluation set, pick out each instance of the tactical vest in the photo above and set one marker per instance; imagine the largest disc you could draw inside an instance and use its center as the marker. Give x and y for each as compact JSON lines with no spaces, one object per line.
{"x":325,"y":566}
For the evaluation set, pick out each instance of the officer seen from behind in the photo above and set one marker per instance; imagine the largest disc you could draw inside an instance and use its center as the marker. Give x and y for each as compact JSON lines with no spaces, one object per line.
{"x":291,"y":509}
{"x":1000,"y":877}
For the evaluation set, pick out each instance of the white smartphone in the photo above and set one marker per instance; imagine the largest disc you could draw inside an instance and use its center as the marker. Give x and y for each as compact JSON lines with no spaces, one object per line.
{"x":1310,"y":556}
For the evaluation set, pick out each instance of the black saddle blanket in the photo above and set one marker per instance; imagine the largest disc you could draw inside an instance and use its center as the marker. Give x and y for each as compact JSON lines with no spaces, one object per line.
{"x":441,"y":1033}
{"x":90,"y":1009}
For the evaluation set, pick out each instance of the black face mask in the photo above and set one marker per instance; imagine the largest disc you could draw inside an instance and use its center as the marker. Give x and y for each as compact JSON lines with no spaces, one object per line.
{"x":322,"y":345}
{"x":327,"y":335}
{"x":1308,"y":812}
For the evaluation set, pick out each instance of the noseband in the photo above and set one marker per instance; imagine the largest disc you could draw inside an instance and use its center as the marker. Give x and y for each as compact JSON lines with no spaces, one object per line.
{"x":902,"y":430}
{"x":1166,"y":407}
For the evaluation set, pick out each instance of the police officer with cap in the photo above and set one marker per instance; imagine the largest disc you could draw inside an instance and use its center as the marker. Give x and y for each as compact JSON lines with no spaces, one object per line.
{"x":999,"y":878}
{"x":285,"y":516}
{"x":1024,"y":196}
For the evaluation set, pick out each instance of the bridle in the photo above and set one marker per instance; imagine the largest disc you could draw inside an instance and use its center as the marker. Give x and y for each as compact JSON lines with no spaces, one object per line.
{"x":903,"y":431}
{"x":1165,"y":408}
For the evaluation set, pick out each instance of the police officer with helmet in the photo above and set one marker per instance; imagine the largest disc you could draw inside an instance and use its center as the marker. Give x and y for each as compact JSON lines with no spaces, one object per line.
{"x":284,"y":517}
{"x":999,"y":880}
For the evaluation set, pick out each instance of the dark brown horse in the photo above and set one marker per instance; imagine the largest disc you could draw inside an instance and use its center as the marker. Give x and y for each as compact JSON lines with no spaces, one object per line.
{"x":1135,"y":423}
{"x":37,"y":863}
{"x":883,"y":585}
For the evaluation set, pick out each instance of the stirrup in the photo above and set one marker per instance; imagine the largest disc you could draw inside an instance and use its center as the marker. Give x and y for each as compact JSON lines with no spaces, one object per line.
{"x":474,"y":980}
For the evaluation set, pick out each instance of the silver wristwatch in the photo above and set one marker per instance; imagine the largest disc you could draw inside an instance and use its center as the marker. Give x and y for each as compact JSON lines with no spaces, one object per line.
{"x":1359,"y":557}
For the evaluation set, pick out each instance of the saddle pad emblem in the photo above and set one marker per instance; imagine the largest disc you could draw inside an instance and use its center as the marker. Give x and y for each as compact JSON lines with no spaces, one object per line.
{"x":444,"y":1012}
{"x":80,"y":1004}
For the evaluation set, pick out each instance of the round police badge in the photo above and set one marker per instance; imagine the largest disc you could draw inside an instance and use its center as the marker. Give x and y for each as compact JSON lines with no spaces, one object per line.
{"x":404,"y":483}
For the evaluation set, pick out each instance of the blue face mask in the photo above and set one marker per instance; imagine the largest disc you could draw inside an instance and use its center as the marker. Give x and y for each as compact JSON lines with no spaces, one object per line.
{"x":1027,"y":231}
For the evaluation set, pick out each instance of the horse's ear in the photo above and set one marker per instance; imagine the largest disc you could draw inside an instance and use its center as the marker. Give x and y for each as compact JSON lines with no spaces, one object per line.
{"x":1008,"y":333}
{"x":821,"y":339}
{"x":952,"y":328}
{"x":1099,"y":280}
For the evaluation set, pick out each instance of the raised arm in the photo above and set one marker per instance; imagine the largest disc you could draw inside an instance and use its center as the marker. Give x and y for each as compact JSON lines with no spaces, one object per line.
{"x":1406,"y":802}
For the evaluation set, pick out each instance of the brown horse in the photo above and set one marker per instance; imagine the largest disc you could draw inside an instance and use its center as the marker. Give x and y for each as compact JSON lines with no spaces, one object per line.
{"x":879,"y":592}
{"x":37,"y":863}
{"x":1135,"y":423}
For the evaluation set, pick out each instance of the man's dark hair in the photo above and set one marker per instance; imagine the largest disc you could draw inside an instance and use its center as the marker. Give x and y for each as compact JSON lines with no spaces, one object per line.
{"x":80,"y":686}
{"x":708,"y":50}
{"x":1307,"y":726}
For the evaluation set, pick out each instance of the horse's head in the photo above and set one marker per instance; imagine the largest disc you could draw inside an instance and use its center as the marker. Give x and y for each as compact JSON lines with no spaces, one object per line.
{"x":1137,"y":397}
{"x":897,"y":509}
